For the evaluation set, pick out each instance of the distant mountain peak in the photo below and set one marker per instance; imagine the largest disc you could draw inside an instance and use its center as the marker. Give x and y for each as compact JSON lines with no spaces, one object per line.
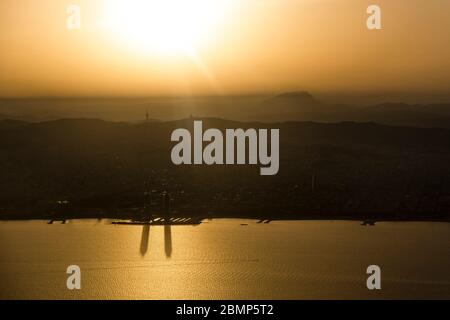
{"x":296,"y":95}
{"x":291,"y":102}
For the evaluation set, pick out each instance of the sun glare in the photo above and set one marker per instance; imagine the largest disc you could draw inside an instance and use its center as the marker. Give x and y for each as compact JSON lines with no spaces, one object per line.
{"x":165,"y":26}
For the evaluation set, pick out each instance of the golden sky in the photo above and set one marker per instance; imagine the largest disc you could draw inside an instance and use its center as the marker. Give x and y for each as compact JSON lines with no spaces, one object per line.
{"x":131,"y":47}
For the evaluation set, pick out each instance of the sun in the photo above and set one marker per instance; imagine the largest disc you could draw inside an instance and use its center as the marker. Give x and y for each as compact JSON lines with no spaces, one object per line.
{"x":165,"y":26}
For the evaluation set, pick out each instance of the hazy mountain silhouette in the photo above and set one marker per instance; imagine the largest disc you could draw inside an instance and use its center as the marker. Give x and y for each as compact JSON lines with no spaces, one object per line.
{"x":303,"y":107}
{"x":291,"y":100}
{"x":10,"y":124}
{"x":298,"y":106}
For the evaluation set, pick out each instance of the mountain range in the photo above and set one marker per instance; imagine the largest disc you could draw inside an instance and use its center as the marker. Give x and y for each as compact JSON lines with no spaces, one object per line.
{"x":290,"y":106}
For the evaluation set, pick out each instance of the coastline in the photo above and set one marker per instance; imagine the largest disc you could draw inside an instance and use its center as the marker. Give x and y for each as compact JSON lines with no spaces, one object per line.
{"x":363,"y":217}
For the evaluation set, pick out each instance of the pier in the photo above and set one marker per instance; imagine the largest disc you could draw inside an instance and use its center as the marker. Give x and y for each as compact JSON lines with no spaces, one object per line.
{"x":161,"y":221}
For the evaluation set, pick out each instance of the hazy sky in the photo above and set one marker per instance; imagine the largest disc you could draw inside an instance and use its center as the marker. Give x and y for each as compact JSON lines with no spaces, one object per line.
{"x":223,"y":46}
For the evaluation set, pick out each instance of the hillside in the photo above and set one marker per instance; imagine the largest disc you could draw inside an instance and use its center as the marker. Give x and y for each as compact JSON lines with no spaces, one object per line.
{"x":105,"y":168}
